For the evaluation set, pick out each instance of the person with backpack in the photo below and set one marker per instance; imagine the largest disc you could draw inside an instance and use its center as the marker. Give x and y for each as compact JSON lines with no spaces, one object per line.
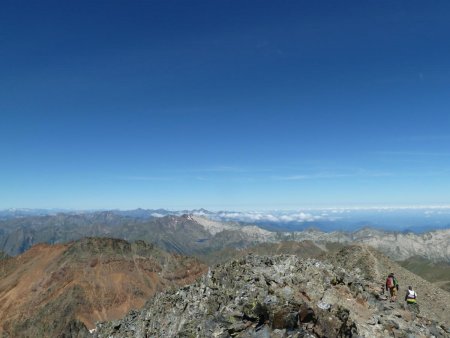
{"x":392,"y":286}
{"x":411,"y":300}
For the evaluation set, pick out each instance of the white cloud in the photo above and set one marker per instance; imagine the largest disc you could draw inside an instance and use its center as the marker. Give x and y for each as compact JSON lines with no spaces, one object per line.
{"x":275,"y":217}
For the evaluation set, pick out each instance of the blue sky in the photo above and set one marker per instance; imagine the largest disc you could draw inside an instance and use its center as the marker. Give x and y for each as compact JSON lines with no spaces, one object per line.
{"x":224,"y":104}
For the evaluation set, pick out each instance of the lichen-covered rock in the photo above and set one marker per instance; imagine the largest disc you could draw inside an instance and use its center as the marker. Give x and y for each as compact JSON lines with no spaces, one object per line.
{"x":264,"y":296}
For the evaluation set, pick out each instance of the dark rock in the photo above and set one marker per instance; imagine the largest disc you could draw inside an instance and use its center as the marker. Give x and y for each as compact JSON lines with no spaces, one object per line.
{"x":285,"y":319}
{"x":445,"y":328}
{"x":75,"y":329}
{"x":306,"y":314}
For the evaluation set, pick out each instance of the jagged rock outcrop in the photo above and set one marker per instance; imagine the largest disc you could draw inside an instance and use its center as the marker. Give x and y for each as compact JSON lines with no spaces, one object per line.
{"x":274,"y":296}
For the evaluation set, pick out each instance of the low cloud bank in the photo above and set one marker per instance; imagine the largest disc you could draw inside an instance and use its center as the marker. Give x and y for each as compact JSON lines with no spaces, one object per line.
{"x":270,"y":217}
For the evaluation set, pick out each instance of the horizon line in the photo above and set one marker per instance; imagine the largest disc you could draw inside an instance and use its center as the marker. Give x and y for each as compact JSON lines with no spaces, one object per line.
{"x":353,"y":207}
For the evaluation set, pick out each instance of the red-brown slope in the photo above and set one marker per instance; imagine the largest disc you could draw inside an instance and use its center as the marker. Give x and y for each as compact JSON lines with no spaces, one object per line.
{"x":43,"y":290}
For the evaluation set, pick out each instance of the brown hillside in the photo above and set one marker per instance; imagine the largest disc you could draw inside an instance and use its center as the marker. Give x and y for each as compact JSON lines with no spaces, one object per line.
{"x":47,"y":289}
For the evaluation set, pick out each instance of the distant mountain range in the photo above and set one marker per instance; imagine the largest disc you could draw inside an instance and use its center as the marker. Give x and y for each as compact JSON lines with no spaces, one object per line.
{"x":191,"y":234}
{"x":134,"y":213}
{"x":411,"y":219}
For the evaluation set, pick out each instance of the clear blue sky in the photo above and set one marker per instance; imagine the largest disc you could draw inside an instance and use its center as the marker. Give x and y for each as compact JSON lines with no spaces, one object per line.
{"x":224,"y":104}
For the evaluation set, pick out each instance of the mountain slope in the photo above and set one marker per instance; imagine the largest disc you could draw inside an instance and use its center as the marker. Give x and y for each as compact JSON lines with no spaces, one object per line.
{"x":434,"y":245}
{"x":371,"y":264}
{"x":436,"y":272}
{"x":274,"y":296}
{"x":52,"y":288}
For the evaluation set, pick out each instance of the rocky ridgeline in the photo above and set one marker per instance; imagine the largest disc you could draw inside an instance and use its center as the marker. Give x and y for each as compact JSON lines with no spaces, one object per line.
{"x":274,"y":296}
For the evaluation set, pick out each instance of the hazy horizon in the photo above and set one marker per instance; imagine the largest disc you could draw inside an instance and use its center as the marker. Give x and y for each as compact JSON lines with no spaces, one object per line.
{"x":415,"y":219}
{"x":349,"y":207}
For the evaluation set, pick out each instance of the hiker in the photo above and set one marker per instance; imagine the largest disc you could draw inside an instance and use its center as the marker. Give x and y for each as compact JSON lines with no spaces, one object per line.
{"x":392,"y":286}
{"x":411,"y":300}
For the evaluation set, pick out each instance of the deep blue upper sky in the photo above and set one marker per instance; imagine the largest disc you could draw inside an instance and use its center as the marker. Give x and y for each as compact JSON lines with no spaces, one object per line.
{"x":224,"y":104}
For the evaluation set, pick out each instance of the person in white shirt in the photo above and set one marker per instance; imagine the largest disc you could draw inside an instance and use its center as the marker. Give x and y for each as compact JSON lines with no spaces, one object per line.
{"x":411,"y":300}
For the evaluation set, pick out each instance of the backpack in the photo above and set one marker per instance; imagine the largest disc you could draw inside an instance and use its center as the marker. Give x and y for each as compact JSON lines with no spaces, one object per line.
{"x":395,"y":282}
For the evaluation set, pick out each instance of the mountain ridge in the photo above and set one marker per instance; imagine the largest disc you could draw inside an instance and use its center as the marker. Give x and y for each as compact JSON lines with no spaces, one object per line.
{"x":199,"y":235}
{"x":281,"y":296}
{"x":51,"y":287}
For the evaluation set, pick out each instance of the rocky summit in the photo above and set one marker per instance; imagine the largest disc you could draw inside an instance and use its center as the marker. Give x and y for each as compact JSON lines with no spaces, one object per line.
{"x":275,"y":296}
